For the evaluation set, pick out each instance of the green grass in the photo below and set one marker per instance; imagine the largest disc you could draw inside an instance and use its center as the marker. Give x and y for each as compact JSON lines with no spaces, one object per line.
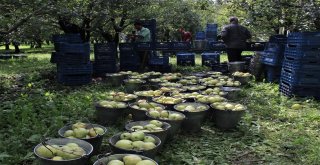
{"x":34,"y":105}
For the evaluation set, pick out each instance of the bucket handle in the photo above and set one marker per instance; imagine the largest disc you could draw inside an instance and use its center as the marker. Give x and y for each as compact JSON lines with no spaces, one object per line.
{"x":98,"y":135}
{"x":100,"y":156}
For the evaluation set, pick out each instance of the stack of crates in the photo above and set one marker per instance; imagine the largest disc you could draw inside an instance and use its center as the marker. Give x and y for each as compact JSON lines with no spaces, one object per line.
{"x":300,"y":75}
{"x":105,"y":58}
{"x":186,"y":59}
{"x":72,"y":57}
{"x":272,"y":57}
{"x":211,"y":32}
{"x":159,"y":63}
{"x":210,"y":58}
{"x":129,"y":58}
{"x":201,"y":35}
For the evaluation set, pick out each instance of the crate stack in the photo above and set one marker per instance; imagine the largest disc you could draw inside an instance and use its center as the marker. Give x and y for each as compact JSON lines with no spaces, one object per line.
{"x":210,"y":58}
{"x":105,"y":58}
{"x":186,"y":59}
{"x":211,"y":32}
{"x":272,"y":57}
{"x":159,"y":62}
{"x":72,"y":57}
{"x":129,"y":58}
{"x":201,"y":35}
{"x":300,"y":75}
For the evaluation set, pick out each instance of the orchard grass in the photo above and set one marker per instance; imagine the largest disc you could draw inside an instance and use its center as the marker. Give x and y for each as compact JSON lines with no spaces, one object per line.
{"x":33,"y":106}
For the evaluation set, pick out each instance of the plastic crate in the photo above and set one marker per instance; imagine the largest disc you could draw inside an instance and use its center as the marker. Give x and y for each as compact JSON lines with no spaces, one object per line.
{"x":99,"y":68}
{"x":72,"y":58}
{"x":68,"y":38}
{"x":164,"y":45}
{"x":302,"y":65}
{"x":105,"y":52}
{"x":223,"y":68}
{"x":186,"y":59}
{"x":129,"y":67}
{"x":161,"y":68}
{"x":83,"y":48}
{"x":211,"y":34}
{"x":296,"y":90}
{"x":181,"y":45}
{"x":278,"y":39}
{"x":212,"y":26}
{"x":74,"y":69}
{"x":209,"y":59}
{"x":126,"y":47}
{"x":74,"y":80}
{"x":273,"y":54}
{"x":144,"y":46}
{"x":304,"y":38}
{"x":159,"y":60}
{"x":53,"y":58}
{"x":216,"y":46}
{"x":298,"y":77}
{"x":272,"y":73}
{"x":200,"y":35}
{"x":302,"y":53}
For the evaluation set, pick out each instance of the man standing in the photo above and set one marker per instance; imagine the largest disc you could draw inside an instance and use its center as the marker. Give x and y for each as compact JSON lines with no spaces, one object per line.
{"x":235,"y":37}
{"x":185,"y":35}
{"x":142,"y":35}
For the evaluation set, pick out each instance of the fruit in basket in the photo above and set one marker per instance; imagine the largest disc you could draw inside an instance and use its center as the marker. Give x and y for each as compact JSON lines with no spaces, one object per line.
{"x":80,"y":132}
{"x":191,"y":107}
{"x":125,"y":136}
{"x":136,"y":141}
{"x":135,"y":81}
{"x":152,"y":126}
{"x":95,"y":131}
{"x":119,"y":96}
{"x":146,"y":162}
{"x":241,"y":74}
{"x":62,"y":152}
{"x":83,"y":131}
{"x":194,"y":87}
{"x":154,"y":114}
{"x":57,"y":158}
{"x":156,"y":123}
{"x":170,"y":84}
{"x":210,"y":99}
{"x":158,"y":80}
{"x":131,"y":159}
{"x":112,"y":104}
{"x":296,"y":106}
{"x":188,"y":81}
{"x":175,"y":116}
{"x":78,"y":125}
{"x":115,"y":162}
{"x":46,"y":151}
{"x":146,"y":106}
{"x":163,"y":114}
{"x":149,"y":93}
{"x":228,"y":106}
{"x":214,"y":91}
{"x":124,"y":144}
{"x":167,"y":100}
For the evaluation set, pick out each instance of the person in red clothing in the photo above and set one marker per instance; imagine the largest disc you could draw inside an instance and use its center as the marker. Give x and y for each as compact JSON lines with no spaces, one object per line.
{"x":185,"y":35}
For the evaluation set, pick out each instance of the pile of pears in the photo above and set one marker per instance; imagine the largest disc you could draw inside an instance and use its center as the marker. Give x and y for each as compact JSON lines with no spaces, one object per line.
{"x":158,"y":80}
{"x":149,"y":93}
{"x":171,"y":89}
{"x":241,"y":74}
{"x":171,"y":84}
{"x":113,"y":104}
{"x":228,"y":106}
{"x":186,"y":95}
{"x":209,"y":99}
{"x":61,"y":152}
{"x":194,"y":87}
{"x":136,"y":141}
{"x":153,"y":126}
{"x":135,"y":81}
{"x":188,"y":81}
{"x":131,"y":160}
{"x":83,"y":131}
{"x":214,"y":91}
{"x":120,"y":96}
{"x":191,"y":107}
{"x":166,"y":115}
{"x":146,"y":106}
{"x":167,"y":100}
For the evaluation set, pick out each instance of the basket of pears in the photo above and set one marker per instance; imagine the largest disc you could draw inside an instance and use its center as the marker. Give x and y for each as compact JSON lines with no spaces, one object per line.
{"x":63,"y":151}
{"x":132,"y":85}
{"x":119,"y":96}
{"x":148,"y":94}
{"x":154,"y":127}
{"x":139,"y":108}
{"x":171,"y":84}
{"x":170,"y":90}
{"x":189,"y":97}
{"x":227,"y":115}
{"x":188,"y":81}
{"x":139,"y":76}
{"x":214,"y":91}
{"x":125,"y":159}
{"x":172,"y":77}
{"x":195,"y":114}
{"x":108,"y":112}
{"x":242,"y":77}
{"x":135,"y":143}
{"x":174,"y":118}
{"x":153,"y":74}
{"x":167,"y":101}
{"x":194,"y":88}
{"x":92,"y":133}
{"x":209,"y":99}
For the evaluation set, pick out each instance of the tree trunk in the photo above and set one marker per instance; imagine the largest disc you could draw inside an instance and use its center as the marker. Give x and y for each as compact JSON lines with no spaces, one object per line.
{"x":38,"y":43}
{"x":7,"y":46}
{"x":16,"y":49}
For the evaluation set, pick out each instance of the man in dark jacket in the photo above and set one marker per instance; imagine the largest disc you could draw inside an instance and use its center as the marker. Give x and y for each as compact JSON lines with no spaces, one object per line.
{"x":235,"y":37}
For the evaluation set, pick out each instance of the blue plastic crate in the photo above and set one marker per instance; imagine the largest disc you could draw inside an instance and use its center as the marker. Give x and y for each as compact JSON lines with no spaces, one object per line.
{"x":212,"y":26}
{"x":141,"y":46}
{"x":302,"y":65}
{"x":291,"y":90}
{"x":129,"y":67}
{"x":74,"y":69}
{"x":186,"y":59}
{"x":159,"y":60}
{"x":216,"y":46}
{"x":83,"y":48}
{"x":99,"y":68}
{"x":211,"y":35}
{"x":304,"y":38}
{"x":301,"y":78}
{"x":278,"y":39}
{"x":273,"y":54}
{"x":209,"y":59}
{"x":223,"y":68}
{"x":68,"y":38}
{"x":201,"y":35}
{"x":272,"y":73}
{"x":105,"y":51}
{"x":164,"y":46}
{"x":53,"y":58}
{"x":302,"y":53}
{"x":72,"y":58}
{"x":126,"y":47}
{"x":181,"y":45}
{"x":74,"y":80}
